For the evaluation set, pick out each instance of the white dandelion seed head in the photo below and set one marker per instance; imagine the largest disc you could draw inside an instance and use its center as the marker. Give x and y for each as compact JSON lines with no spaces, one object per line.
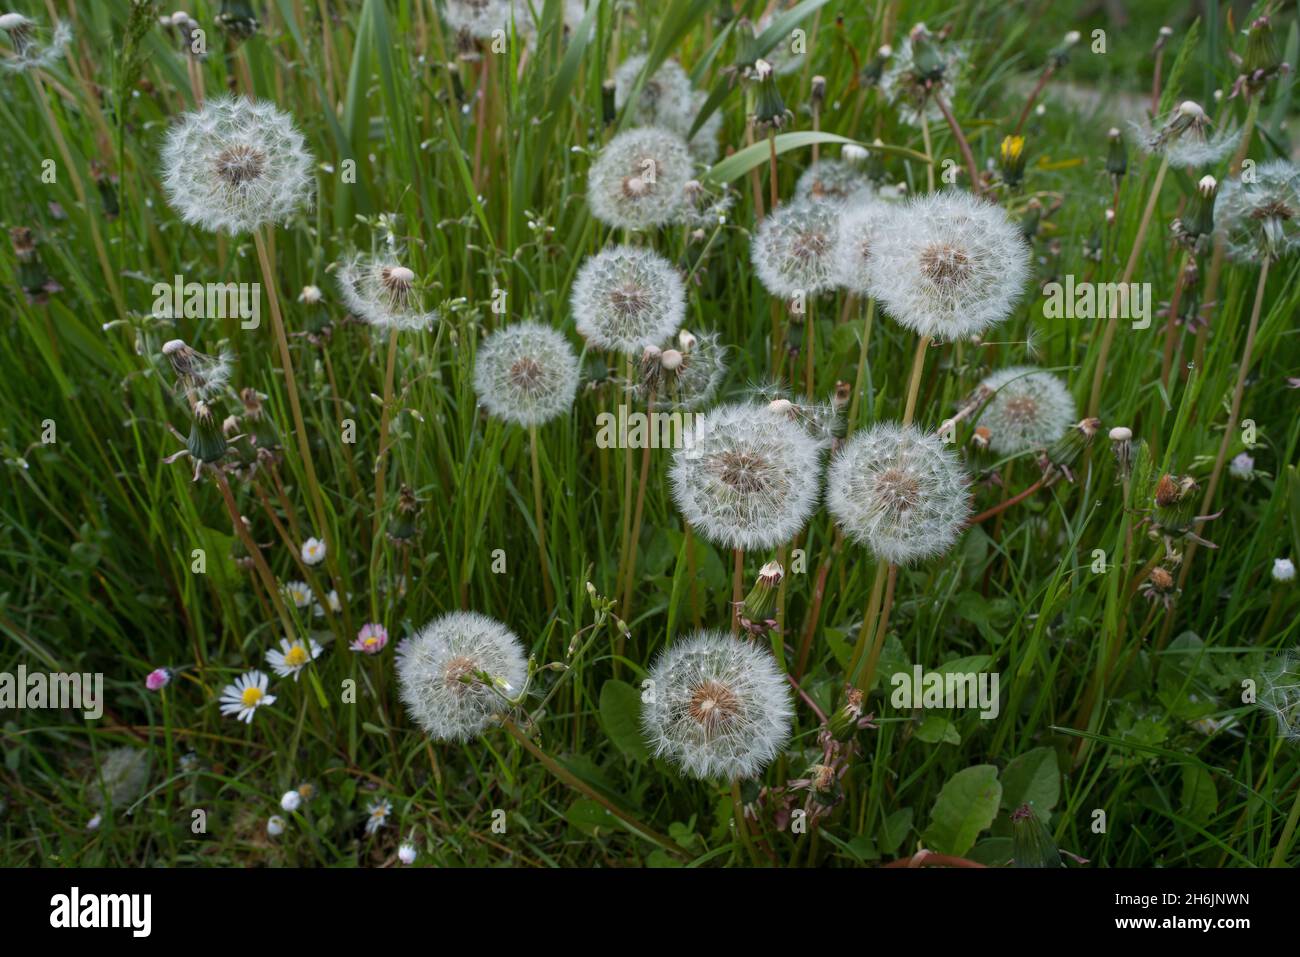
{"x":526,"y":373}
{"x":747,"y":477}
{"x":1281,"y":694}
{"x":793,"y":249}
{"x":721,"y":707}
{"x":198,"y":374}
{"x":1185,"y":138}
{"x":686,"y":378}
{"x":948,"y":265}
{"x":235,"y":165}
{"x":381,"y":291}
{"x":833,"y":181}
{"x":899,"y":491}
{"x":121,"y":778}
{"x":639,"y":179}
{"x":437,"y":669}
{"x":855,"y":237}
{"x":627,"y":299}
{"x":903,"y":87}
{"x":481,"y":18}
{"x":1027,"y":409}
{"x":668,"y":100}
{"x":34,"y":48}
{"x":1283,"y":570}
{"x":1261,"y":218}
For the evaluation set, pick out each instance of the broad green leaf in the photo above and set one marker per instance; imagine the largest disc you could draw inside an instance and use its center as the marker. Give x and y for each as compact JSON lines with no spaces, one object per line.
{"x":1033,"y":778}
{"x":620,"y":712}
{"x":966,"y":805}
{"x":740,"y":163}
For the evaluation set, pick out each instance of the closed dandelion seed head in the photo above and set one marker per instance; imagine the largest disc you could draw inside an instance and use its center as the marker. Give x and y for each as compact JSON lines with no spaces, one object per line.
{"x":1027,"y":409}
{"x":855,"y":238}
{"x":833,"y":181}
{"x":948,"y":265}
{"x":899,"y":491}
{"x":1260,"y":219}
{"x":438,"y":673}
{"x":235,"y":165}
{"x":626,"y":299}
{"x":526,"y":373}
{"x":33,"y":47}
{"x":384,"y":293}
{"x":747,"y":478}
{"x":721,"y":708}
{"x":793,"y":249}
{"x":639,"y":179}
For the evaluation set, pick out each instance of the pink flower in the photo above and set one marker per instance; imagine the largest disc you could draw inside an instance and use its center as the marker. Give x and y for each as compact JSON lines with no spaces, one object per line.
{"x":158,"y":679}
{"x":370,"y":639}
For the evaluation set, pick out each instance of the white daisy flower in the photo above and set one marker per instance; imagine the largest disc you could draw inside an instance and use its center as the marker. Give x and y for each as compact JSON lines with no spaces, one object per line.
{"x":377,"y":815}
{"x":292,"y":656}
{"x":245,"y":696}
{"x":719,"y":708}
{"x":332,"y":601}
{"x":313,"y":551}
{"x":297,"y":592}
{"x":406,"y":853}
{"x":456,"y":673}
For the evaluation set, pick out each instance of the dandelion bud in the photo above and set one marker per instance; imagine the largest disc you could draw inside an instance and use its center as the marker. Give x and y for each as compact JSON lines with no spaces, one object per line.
{"x":1116,"y":155}
{"x":1283,"y":570}
{"x":845,"y":722}
{"x":238,"y":19}
{"x":1121,"y":443}
{"x":927,"y":62}
{"x":770,"y":111}
{"x":1031,"y":842}
{"x":274,"y":825}
{"x":1011,"y":160}
{"x":1262,"y":60}
{"x":756,"y":610}
{"x":981,"y":437}
{"x":853,"y":153}
{"x":206,"y":443}
{"x":817,"y":94}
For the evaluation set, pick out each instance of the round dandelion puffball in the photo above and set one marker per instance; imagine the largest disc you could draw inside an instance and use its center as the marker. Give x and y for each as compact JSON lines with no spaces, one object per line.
{"x":1028,"y":409}
{"x":382,"y":292}
{"x":669,"y":101}
{"x":526,"y":374}
{"x":1261,"y":218}
{"x":833,"y":180}
{"x":947,"y":265}
{"x":438,"y":673}
{"x":481,"y":18}
{"x":639,"y":179}
{"x":899,"y":491}
{"x":720,"y":707}
{"x":627,"y":299}
{"x":747,"y":477}
{"x":793,"y":249}
{"x":235,"y":165}
{"x":854,"y":240}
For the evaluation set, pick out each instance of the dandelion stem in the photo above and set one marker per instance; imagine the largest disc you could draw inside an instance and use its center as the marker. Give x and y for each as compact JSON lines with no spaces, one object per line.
{"x":540,"y":518}
{"x":1033,"y":97}
{"x":1288,"y":832}
{"x":1171,"y":321}
{"x":862,"y":365}
{"x":1099,"y":375}
{"x":808,"y":372}
{"x":629,"y":577}
{"x":381,"y":464}
{"x":929,"y":155}
{"x":1007,"y":503}
{"x":867,"y":631}
{"x":254,"y":553}
{"x":914,"y":383}
{"x":737,"y":595}
{"x":962,"y":144}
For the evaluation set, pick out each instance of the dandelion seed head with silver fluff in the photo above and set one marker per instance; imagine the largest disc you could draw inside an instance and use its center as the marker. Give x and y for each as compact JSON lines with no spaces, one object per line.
{"x":668,"y":100}
{"x":200,"y":376}
{"x":627,"y":299}
{"x":721,"y":708}
{"x":834,"y":181}
{"x":793,"y":249}
{"x":1260,"y":219}
{"x":855,"y":237}
{"x":526,"y":373}
{"x":1027,"y":409}
{"x":1281,"y":694}
{"x":948,"y":265}
{"x":919,"y":70}
{"x":34,"y":47}
{"x":236,"y":164}
{"x":899,"y":491}
{"x":639,"y":179}
{"x":440,"y":674}
{"x":747,"y":477}
{"x":383,"y":293}
{"x":820,"y":420}
{"x":1185,"y":137}
{"x":685,"y":375}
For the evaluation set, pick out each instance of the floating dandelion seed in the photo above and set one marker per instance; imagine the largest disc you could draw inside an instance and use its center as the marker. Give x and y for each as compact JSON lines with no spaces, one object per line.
{"x":235,"y":165}
{"x":1261,"y":219}
{"x":457,"y":672}
{"x":855,"y":237}
{"x":721,"y":707}
{"x":245,"y":696}
{"x":1027,"y":409}
{"x":899,"y":491}
{"x":747,"y":477}
{"x":668,"y":100}
{"x":835,"y":181}
{"x":793,"y":249}
{"x":383,"y":293}
{"x":627,"y":299}
{"x":293,"y":656}
{"x":639,"y":180}
{"x":948,"y":265}
{"x":526,"y":373}
{"x":34,"y":48}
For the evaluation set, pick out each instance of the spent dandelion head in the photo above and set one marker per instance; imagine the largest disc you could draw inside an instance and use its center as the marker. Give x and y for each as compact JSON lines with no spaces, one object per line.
{"x":458,"y":672}
{"x":793,"y":249}
{"x":684,"y":375}
{"x":899,"y":491}
{"x":627,"y":299}
{"x":526,"y":373}
{"x":948,"y":265}
{"x":720,"y":707}
{"x":1027,"y":409}
{"x":1261,"y":219}
{"x":199,"y":376}
{"x":1281,"y":694}
{"x":33,"y":47}
{"x":747,"y":477}
{"x":639,"y":179}
{"x":919,"y":70}
{"x":382,"y":292}
{"x":1186,"y":137}
{"x":236,"y":164}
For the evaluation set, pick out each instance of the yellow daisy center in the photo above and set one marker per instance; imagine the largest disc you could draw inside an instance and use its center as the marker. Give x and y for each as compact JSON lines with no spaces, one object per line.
{"x":251,"y":697}
{"x":371,"y":642}
{"x":295,"y":657}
